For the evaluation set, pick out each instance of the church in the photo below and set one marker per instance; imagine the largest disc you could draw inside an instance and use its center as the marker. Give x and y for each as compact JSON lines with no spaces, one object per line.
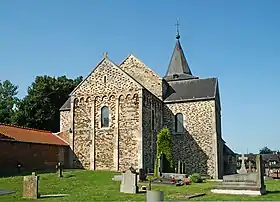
{"x":113,"y":117}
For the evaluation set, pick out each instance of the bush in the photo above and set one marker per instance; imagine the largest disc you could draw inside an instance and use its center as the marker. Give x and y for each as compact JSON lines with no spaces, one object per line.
{"x":164,"y":146}
{"x":196,"y":178}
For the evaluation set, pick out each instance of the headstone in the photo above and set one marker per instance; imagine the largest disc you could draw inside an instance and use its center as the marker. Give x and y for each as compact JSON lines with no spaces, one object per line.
{"x":117,"y":178}
{"x":142,"y":175}
{"x":153,"y":196}
{"x":129,"y":183}
{"x":30,"y":186}
{"x":59,"y":169}
{"x":183,"y":168}
{"x":251,"y":183}
{"x":243,"y":169}
{"x":250,"y":167}
{"x":4,"y":192}
{"x":179,"y":167}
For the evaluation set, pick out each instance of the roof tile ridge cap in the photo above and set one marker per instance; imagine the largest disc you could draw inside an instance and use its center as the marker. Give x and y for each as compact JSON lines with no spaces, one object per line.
{"x":24,"y":127}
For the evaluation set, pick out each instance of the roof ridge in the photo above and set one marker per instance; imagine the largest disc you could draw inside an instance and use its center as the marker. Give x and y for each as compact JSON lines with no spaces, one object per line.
{"x":24,"y":127}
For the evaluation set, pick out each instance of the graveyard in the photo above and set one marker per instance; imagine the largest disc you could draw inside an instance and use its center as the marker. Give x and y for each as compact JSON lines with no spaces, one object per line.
{"x":81,"y":185}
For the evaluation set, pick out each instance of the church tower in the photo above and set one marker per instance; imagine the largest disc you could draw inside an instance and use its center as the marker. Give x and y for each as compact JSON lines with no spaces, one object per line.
{"x":191,"y":112}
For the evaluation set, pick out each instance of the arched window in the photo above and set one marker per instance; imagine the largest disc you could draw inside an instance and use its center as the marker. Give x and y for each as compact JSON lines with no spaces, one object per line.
{"x":104,"y":117}
{"x":179,"y":123}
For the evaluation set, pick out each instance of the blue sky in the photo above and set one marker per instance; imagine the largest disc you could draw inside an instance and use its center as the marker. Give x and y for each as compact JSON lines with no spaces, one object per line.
{"x":236,"y":41}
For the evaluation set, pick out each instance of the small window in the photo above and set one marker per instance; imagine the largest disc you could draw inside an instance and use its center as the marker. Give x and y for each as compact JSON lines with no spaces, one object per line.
{"x":179,"y":123}
{"x":104,"y":117}
{"x":153,"y":120}
{"x":104,"y":79}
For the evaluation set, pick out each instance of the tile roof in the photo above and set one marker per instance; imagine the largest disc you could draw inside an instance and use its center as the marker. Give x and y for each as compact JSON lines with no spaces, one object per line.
{"x":189,"y":90}
{"x":23,"y":134}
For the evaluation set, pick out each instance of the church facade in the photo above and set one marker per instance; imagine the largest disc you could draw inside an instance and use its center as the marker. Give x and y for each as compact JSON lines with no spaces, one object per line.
{"x":115,"y":113}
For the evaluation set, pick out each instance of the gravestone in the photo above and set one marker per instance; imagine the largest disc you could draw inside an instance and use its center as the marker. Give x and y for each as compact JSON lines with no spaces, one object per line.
{"x":179,"y":167}
{"x":30,"y":186}
{"x":243,"y":169}
{"x":142,"y":175}
{"x":129,"y":183}
{"x":59,"y":169}
{"x":250,"y":167}
{"x":251,"y":183}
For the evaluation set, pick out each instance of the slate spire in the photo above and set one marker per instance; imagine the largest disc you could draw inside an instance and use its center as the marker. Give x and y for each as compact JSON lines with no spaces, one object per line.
{"x":178,"y":67}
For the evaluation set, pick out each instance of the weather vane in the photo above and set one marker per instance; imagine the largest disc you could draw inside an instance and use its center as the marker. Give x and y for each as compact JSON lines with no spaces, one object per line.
{"x":177,"y":27}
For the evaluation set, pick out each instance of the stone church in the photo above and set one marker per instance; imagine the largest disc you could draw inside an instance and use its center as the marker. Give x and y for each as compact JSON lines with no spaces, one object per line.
{"x":115,"y":113}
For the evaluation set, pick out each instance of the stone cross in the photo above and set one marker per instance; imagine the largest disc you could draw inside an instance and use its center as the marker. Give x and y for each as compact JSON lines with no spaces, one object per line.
{"x":30,"y":186}
{"x":59,"y":169}
{"x":129,"y":183}
{"x":243,"y":167}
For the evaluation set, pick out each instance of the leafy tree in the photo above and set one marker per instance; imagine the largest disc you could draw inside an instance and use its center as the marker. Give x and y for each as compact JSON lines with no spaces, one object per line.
{"x":40,"y":108}
{"x":8,"y":100}
{"x":164,"y":146}
{"x":266,"y":150}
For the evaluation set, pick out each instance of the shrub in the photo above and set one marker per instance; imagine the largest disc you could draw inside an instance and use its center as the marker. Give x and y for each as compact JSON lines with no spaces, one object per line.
{"x":164,"y":146}
{"x":196,"y":178}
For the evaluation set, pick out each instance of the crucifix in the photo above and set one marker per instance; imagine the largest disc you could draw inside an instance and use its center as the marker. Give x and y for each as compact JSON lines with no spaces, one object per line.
{"x":177,"y":27}
{"x":243,"y":167}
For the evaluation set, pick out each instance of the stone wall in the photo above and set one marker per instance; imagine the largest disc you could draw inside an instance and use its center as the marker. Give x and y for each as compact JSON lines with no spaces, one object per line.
{"x":115,"y":147}
{"x":82,"y":132}
{"x":129,"y":121}
{"x":151,"y":104}
{"x":144,"y":75}
{"x":64,"y":120}
{"x":197,"y":145}
{"x":33,"y":156}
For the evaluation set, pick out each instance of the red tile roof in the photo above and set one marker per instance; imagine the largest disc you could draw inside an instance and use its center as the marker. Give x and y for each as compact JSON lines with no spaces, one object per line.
{"x":24,"y":134}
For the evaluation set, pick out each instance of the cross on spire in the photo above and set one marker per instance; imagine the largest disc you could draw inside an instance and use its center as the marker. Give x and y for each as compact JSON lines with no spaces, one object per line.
{"x":177,"y":28}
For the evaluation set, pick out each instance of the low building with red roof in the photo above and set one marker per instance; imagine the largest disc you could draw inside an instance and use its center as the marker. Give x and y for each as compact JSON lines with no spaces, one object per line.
{"x":33,"y":149}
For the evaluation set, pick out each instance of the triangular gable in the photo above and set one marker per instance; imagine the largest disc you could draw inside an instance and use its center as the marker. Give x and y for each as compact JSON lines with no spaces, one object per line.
{"x":142,"y":74}
{"x":140,"y":61}
{"x":92,"y":72}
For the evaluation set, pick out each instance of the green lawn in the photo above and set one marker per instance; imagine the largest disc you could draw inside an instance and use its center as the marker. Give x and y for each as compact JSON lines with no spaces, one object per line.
{"x":98,"y":186}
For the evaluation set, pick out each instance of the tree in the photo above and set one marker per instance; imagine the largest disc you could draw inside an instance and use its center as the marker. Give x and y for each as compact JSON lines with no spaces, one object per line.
{"x":8,"y":100}
{"x":164,"y":147}
{"x":40,"y":108}
{"x":266,"y":150}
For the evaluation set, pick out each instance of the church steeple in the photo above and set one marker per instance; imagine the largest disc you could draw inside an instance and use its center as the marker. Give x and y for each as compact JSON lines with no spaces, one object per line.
{"x":178,"y":67}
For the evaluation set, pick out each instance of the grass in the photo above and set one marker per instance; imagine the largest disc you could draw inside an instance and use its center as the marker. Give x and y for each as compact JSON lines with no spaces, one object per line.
{"x":98,"y":186}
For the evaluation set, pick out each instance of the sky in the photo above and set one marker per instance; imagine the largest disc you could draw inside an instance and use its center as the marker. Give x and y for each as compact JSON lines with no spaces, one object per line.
{"x":235,"y":41}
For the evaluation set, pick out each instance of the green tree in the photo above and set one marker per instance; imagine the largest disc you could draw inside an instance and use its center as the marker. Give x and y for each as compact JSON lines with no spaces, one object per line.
{"x":266,"y":150}
{"x":164,"y":146}
{"x":40,"y":108}
{"x":8,"y":101}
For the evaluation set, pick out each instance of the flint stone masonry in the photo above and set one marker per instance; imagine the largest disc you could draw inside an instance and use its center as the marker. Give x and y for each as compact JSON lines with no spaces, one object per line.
{"x":115,"y":147}
{"x":143,"y":74}
{"x":196,"y":146}
{"x":64,"y":120}
{"x":133,"y":94}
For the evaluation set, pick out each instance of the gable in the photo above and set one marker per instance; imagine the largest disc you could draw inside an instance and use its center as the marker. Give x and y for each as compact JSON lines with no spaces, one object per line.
{"x":143,"y":74}
{"x":106,"y":77}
